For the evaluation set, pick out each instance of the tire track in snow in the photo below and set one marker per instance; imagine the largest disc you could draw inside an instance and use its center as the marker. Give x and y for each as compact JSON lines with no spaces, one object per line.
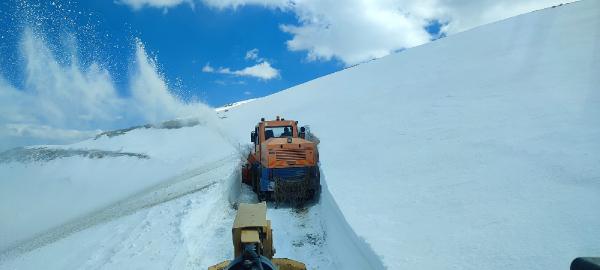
{"x":101,"y":258}
{"x":173,"y":188}
{"x":298,"y":234}
{"x":207,"y":231}
{"x":192,"y":230}
{"x":177,"y":233}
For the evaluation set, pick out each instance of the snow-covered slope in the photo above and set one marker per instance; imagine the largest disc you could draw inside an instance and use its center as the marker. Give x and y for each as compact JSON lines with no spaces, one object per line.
{"x":58,"y":184}
{"x":226,"y":107}
{"x":476,"y":151}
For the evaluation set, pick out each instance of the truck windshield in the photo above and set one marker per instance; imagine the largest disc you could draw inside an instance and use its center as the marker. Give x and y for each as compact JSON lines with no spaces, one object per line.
{"x":278,"y":132}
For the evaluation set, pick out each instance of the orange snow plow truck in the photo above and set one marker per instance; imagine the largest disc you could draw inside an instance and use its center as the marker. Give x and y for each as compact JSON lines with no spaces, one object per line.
{"x":283,"y":164}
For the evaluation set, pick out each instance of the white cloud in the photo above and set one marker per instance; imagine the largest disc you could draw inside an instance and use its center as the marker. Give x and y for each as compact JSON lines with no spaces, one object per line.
{"x":224,"y":83}
{"x":463,"y":15}
{"x":357,"y":30}
{"x":138,"y":4}
{"x":252,"y":55}
{"x":221,"y":4}
{"x":262,"y":70}
{"x":353,"y":31}
{"x":208,"y":68}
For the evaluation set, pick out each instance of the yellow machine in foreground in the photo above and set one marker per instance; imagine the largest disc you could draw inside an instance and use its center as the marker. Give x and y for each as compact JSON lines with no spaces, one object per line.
{"x":253,"y":242}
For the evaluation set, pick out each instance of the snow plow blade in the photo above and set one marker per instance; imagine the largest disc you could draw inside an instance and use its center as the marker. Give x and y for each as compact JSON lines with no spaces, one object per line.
{"x":295,"y":192}
{"x":221,"y":266}
{"x":280,"y":263}
{"x":287,"y":264}
{"x":253,"y":242}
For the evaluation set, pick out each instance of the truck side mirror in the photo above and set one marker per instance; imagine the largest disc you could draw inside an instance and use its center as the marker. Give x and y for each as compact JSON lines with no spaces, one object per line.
{"x":302,"y":133}
{"x":253,"y":136}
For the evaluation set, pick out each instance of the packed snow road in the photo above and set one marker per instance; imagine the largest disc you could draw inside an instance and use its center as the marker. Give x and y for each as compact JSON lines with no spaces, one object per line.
{"x":178,"y":186}
{"x":185,"y":223}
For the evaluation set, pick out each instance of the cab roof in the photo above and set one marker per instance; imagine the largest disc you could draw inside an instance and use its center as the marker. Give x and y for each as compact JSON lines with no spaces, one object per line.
{"x":251,"y":215}
{"x":278,"y":123}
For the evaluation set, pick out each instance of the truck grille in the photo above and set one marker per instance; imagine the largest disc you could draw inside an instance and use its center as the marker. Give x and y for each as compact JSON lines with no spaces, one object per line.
{"x":290,"y":154}
{"x":290,"y":174}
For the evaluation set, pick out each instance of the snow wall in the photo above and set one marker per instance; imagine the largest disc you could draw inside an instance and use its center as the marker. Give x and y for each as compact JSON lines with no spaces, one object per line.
{"x":478,"y":150}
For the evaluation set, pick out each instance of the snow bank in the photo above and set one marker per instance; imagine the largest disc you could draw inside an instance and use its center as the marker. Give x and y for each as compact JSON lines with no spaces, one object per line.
{"x":475,"y":151}
{"x":356,"y":253}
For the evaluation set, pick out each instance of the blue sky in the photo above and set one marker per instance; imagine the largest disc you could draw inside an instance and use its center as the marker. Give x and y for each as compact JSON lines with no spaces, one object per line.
{"x":183,"y":40}
{"x":72,"y":68}
{"x":295,"y":41}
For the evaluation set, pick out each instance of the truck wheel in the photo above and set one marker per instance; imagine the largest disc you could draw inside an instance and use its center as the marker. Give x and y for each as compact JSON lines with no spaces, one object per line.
{"x":255,"y":180}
